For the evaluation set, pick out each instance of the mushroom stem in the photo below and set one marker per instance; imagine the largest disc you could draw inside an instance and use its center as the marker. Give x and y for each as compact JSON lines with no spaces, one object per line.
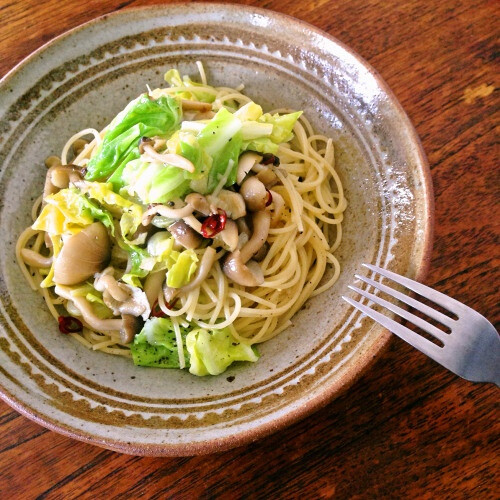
{"x":84,"y":306}
{"x":261,"y":222}
{"x":171,"y":159}
{"x":171,"y":213}
{"x":245,"y":164}
{"x":35,"y":259}
{"x":153,"y":284}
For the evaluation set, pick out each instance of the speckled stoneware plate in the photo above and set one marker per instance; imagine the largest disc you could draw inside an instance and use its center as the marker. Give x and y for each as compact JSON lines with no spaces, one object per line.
{"x":82,"y":79}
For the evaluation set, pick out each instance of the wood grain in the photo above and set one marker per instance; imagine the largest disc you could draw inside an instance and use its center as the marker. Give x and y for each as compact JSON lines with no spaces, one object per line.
{"x":408,"y":428}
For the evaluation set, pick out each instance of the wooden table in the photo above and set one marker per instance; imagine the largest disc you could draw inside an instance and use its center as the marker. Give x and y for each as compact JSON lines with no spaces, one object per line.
{"x":408,"y":428}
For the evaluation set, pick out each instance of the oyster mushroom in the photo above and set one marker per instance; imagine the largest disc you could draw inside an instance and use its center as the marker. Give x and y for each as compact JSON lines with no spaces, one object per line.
{"x":237,"y":265}
{"x":131,"y":326}
{"x":232,"y":203}
{"x":254,"y":193}
{"x":245,"y":164}
{"x":198,"y":202}
{"x":59,"y":177}
{"x":185,"y":235}
{"x":82,"y":255}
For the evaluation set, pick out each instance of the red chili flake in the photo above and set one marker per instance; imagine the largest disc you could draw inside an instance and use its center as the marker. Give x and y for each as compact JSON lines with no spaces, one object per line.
{"x":157,"y":312}
{"x":269,"y":158}
{"x":214,"y":224}
{"x":68,"y":324}
{"x":269,"y":198}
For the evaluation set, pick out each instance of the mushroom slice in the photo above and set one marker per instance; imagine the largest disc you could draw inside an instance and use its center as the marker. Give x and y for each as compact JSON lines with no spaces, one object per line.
{"x":88,"y":315}
{"x":254,"y":193}
{"x":228,"y":238}
{"x":267,"y":177}
{"x":105,"y":282}
{"x":276,"y":208}
{"x":131,"y":326}
{"x":245,"y":164}
{"x":83,"y":255}
{"x":185,"y":235}
{"x":163,"y":210}
{"x":261,"y":222}
{"x":189,"y":105}
{"x":35,"y":259}
{"x":261,"y":252}
{"x":153,"y":284}
{"x":198,"y":202}
{"x":174,"y":160}
{"x":243,"y":274}
{"x":59,"y":177}
{"x":120,"y":297}
{"x":232,"y":203}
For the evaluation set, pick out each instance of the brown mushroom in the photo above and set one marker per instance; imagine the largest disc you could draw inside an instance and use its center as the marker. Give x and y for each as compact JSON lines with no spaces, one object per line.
{"x":228,"y":238}
{"x":35,"y":259}
{"x":131,"y":326}
{"x":163,"y":210}
{"x":245,"y":164}
{"x":254,"y":193}
{"x":188,"y":105}
{"x":232,"y":203}
{"x":59,"y":176}
{"x":88,"y":315}
{"x":261,"y":222}
{"x":245,"y":274}
{"x":267,"y":177}
{"x":276,"y":207}
{"x":83,"y":255}
{"x":185,"y":235}
{"x":153,"y":284}
{"x":120,"y":297}
{"x":174,"y":160}
{"x":236,"y":266}
{"x":198,"y":202}
{"x":261,"y":252}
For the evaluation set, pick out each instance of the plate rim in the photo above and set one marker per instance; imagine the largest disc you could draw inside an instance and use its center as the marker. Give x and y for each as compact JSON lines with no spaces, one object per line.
{"x":365,"y":360}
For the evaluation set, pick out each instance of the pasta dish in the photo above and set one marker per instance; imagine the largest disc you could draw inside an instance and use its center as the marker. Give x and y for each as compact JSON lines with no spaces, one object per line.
{"x":191,"y":228}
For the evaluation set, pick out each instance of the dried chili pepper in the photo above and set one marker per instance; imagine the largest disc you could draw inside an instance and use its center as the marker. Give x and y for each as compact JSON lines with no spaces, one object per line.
{"x":214,"y":224}
{"x":269,"y":198}
{"x":269,"y":158}
{"x":68,"y":324}
{"x":156,"y":311}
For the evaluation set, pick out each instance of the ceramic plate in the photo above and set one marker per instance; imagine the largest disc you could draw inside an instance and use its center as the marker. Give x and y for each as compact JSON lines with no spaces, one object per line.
{"x":82,"y":79}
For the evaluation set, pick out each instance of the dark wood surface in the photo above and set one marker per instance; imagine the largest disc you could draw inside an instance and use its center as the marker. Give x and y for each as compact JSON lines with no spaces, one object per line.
{"x":408,"y":428}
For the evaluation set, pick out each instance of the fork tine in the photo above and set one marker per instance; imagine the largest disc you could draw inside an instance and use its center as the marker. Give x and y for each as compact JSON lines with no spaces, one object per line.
{"x":436,"y":332}
{"x":420,"y":343}
{"x":439,"y":298}
{"x":419,"y":306}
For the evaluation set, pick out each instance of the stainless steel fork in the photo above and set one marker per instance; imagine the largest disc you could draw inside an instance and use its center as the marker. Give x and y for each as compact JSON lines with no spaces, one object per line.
{"x":471,"y":350}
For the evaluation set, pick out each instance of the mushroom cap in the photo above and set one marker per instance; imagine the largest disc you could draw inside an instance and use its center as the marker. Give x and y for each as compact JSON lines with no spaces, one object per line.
{"x":185,"y":235}
{"x":235,"y":269}
{"x":83,"y":255}
{"x":131,"y":326}
{"x":254,"y":193}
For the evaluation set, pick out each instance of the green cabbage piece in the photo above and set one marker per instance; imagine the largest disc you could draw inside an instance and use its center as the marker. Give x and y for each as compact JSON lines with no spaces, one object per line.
{"x":212,"y":351}
{"x":221,"y":139}
{"x":143,"y":117}
{"x":154,"y":182}
{"x":282,"y":125}
{"x":156,"y":344}
{"x":182,"y":271}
